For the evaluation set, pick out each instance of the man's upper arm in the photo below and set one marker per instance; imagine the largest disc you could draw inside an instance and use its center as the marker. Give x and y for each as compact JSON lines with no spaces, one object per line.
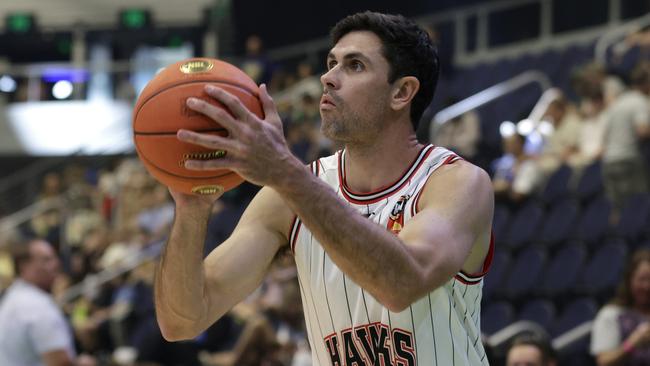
{"x":236,"y":267}
{"x":452,"y":229}
{"x":50,"y":334}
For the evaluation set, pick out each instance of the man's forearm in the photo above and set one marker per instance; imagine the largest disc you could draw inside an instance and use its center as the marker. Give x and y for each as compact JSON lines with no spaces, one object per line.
{"x":369,"y":254}
{"x":180,"y":279}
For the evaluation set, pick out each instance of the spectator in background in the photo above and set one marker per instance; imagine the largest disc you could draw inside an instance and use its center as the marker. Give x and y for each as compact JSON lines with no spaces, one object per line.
{"x":621,"y":331}
{"x":33,"y":330}
{"x":461,"y":134}
{"x":627,"y":122}
{"x":592,"y":126}
{"x":308,"y":83}
{"x":515,"y":174}
{"x":531,"y":350}
{"x":563,"y":141}
{"x":255,"y":63}
{"x":52,"y":186}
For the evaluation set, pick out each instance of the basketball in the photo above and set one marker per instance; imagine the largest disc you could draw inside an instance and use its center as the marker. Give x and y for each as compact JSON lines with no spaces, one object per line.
{"x":161,"y":110}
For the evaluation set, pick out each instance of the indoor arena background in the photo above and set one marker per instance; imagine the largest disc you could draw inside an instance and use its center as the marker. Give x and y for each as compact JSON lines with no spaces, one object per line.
{"x":523,"y":91}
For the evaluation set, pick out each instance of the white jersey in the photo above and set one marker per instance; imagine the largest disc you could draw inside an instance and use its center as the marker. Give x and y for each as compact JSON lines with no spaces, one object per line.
{"x":347,"y":326}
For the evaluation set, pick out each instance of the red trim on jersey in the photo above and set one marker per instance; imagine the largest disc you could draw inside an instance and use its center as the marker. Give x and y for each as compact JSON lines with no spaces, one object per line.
{"x":384,"y":192}
{"x":474,"y":278}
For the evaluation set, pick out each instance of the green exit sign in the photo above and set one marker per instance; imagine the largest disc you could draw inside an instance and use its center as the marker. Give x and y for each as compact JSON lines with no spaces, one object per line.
{"x":19,"y":22}
{"x":135,"y":18}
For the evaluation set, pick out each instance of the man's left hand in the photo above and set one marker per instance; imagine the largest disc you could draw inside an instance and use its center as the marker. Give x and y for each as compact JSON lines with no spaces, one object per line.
{"x":255,"y":148}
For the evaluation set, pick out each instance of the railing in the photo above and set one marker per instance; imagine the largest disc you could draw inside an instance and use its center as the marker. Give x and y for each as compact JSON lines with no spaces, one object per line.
{"x":612,"y":38}
{"x":92,"y":283}
{"x":503,"y":336}
{"x":7,"y":224}
{"x":500,"y":340}
{"x":488,"y":95}
{"x":564,"y":341}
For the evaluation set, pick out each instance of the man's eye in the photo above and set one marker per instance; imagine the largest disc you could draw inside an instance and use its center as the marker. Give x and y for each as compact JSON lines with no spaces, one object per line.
{"x":356,"y":65}
{"x":331,"y":64}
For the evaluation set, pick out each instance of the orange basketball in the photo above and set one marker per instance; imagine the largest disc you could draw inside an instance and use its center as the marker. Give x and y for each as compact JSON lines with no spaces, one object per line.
{"x":160,"y":112}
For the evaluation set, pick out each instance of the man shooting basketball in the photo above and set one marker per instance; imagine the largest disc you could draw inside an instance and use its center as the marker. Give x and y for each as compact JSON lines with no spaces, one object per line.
{"x":391,"y":237}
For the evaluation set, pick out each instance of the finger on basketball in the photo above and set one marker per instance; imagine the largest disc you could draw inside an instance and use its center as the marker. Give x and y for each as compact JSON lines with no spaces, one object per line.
{"x":214,"y":164}
{"x":215,"y":113}
{"x":205,"y":140}
{"x":267,"y":103}
{"x":230,"y":101}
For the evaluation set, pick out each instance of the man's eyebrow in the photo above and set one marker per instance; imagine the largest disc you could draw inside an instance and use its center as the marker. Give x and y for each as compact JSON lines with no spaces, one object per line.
{"x":350,"y":55}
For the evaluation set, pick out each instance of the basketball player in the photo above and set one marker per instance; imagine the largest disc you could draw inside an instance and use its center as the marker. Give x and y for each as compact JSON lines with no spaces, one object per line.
{"x":391,"y":237}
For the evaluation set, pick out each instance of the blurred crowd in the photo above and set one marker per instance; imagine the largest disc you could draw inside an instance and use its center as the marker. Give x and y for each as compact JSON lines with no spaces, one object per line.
{"x":106,"y":221}
{"x":609,"y":124}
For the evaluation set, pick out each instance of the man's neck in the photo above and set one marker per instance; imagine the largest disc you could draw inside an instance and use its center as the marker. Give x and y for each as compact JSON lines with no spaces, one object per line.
{"x":372,"y":167}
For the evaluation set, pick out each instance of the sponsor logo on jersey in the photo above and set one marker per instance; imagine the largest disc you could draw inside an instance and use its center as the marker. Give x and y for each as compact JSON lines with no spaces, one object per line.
{"x":396,"y":217}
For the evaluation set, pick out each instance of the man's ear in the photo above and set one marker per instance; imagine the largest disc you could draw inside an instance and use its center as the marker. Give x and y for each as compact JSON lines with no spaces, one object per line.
{"x":404,"y":91}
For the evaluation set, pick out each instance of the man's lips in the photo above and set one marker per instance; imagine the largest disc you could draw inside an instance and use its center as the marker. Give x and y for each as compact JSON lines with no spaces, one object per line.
{"x":326,"y":100}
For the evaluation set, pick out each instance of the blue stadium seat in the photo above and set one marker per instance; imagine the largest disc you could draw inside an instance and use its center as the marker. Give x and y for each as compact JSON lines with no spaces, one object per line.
{"x":496,"y":316}
{"x":497,"y":273}
{"x":557,"y":186}
{"x":574,"y":314}
{"x":603,"y":271}
{"x":594,"y":222}
{"x":540,"y":311}
{"x":559,"y":223}
{"x":634,"y":217}
{"x":525,"y":273}
{"x":562,"y":272}
{"x":590,"y":183}
{"x":500,"y":221}
{"x":524,"y":225}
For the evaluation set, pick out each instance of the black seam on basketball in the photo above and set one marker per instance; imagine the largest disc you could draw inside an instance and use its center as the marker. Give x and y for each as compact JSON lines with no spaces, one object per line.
{"x":248,"y":91}
{"x":174,"y":132}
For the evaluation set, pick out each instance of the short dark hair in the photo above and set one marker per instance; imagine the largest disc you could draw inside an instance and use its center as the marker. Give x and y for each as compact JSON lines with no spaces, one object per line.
{"x":21,"y":253}
{"x":406,"y":46}
{"x":640,"y":75}
{"x":538,"y":341}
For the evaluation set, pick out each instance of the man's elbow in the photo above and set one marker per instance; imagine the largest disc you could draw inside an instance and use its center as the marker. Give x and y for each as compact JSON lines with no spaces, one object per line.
{"x":397,"y":305}
{"x":397,"y":301}
{"x":175,"y":331}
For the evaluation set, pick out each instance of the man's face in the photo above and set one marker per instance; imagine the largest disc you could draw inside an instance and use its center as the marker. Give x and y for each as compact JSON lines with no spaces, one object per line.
{"x":524,"y":355}
{"x":356,"y":94}
{"x":43,"y":264}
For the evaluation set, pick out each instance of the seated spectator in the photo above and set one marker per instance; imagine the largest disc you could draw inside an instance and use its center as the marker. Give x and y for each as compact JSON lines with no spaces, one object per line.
{"x":592,"y":127}
{"x":515,"y":173}
{"x":33,"y":329}
{"x":563,"y":141}
{"x":627,"y":123}
{"x":531,"y":350}
{"x":255,"y":63}
{"x":621,"y":331}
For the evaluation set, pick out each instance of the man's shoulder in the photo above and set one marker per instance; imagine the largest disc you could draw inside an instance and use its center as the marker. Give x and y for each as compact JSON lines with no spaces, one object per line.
{"x":632,"y":99}
{"x":24,"y":295}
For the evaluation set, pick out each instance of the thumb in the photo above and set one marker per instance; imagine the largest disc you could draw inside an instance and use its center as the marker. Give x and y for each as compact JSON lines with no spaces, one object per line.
{"x":267,"y":103}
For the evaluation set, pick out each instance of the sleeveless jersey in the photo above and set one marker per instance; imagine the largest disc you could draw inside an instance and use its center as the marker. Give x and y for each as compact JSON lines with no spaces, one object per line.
{"x":346,"y":325}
